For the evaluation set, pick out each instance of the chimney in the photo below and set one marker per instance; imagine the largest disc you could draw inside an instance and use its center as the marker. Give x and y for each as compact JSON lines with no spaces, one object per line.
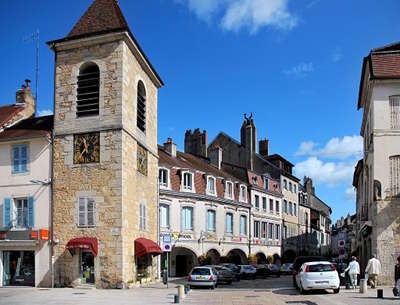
{"x":216,"y":156}
{"x":263,"y":147}
{"x":196,"y":142}
{"x":170,"y":148}
{"x":308,"y":185}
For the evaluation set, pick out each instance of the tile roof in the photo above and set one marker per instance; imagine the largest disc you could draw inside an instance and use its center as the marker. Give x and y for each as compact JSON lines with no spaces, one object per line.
{"x":189,"y":161}
{"x":101,"y":16}
{"x":29,"y":128}
{"x":7,"y":112}
{"x":385,"y":65}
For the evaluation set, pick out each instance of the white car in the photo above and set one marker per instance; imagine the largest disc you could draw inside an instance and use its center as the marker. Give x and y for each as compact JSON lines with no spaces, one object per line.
{"x":318,"y":275}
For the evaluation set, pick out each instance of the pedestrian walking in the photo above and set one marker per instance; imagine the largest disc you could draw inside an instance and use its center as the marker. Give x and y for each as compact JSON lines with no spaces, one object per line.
{"x":354,"y":271}
{"x":396,"y":289}
{"x":373,"y":269}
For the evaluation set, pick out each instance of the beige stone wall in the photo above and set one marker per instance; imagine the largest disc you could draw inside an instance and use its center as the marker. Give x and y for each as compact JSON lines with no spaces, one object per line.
{"x":103,"y":183}
{"x":115,"y":183}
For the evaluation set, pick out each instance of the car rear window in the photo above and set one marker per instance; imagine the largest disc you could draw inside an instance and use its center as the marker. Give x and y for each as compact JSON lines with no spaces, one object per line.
{"x":201,"y":271}
{"x":320,"y":268}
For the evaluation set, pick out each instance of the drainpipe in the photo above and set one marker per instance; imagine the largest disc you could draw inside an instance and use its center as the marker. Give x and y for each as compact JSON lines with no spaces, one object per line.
{"x":158,"y":226}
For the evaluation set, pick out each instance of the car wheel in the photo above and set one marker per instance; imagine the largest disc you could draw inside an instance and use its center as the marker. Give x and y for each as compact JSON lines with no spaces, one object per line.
{"x":336,"y":290}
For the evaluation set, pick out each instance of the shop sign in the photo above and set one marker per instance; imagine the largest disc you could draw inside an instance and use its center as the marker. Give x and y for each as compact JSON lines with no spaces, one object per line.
{"x":177,"y":235}
{"x":44,"y":234}
{"x":236,"y":239}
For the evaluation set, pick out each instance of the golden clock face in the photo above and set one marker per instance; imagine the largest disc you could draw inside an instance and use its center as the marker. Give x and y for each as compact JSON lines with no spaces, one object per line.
{"x":87,"y":148}
{"x":142,"y":160}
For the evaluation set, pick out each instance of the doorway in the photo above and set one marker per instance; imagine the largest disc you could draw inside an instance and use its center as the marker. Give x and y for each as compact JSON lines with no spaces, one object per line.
{"x":87,"y":267}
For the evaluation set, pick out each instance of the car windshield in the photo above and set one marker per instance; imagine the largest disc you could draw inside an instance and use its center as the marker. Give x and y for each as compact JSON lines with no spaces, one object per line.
{"x":201,"y":271}
{"x":320,"y":268}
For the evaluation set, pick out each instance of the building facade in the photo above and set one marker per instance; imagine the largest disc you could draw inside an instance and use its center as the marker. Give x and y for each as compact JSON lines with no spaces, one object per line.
{"x":105,"y":161}
{"x":377,"y":175}
{"x":25,"y":193}
{"x":203,"y":208}
{"x":343,"y":237}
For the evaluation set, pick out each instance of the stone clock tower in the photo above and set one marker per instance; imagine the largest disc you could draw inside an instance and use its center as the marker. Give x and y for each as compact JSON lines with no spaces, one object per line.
{"x":105,"y":153}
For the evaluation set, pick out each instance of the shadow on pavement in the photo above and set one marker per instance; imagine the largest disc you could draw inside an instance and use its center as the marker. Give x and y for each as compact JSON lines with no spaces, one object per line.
{"x":375,"y":298}
{"x":301,"y":302}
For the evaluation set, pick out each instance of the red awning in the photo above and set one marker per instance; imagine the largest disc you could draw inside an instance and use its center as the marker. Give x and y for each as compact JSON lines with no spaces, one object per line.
{"x":83,"y":243}
{"x":145,"y":246}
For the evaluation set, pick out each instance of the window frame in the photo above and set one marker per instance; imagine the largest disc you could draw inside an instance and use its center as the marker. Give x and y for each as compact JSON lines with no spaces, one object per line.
{"x":277,"y":207}
{"x":264,"y":233}
{"x":96,"y":111}
{"x":142,"y":216}
{"x":214,"y":229}
{"x":21,"y":169}
{"x":24,"y":201}
{"x":257,"y":201}
{"x":264,"y":203}
{"x":185,"y":229}
{"x":167,"y":184}
{"x":266,"y":183}
{"x":290,"y":208}
{"x":271,"y":207}
{"x":232,"y":190}
{"x":243,"y":195}
{"x":285,"y":206}
{"x":294,"y":209}
{"x":86,"y":224}
{"x":256,"y":224}
{"x":270,"y":231}
{"x":277,"y":231}
{"x":214,"y":184}
{"x":163,"y":204}
{"x":183,"y":187}
{"x":245,"y":225}
{"x":226,"y":222}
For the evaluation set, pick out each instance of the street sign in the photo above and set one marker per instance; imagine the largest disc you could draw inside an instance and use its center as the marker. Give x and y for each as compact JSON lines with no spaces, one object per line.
{"x":166,"y":242}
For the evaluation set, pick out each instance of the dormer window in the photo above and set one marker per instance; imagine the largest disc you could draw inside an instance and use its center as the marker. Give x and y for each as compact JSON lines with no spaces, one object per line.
{"x":163,"y":177}
{"x":211,"y":185}
{"x":285,"y":184}
{"x":242,"y":193}
{"x":254,"y":179}
{"x":266,"y":183}
{"x":187,"y":181}
{"x":229,"y":190}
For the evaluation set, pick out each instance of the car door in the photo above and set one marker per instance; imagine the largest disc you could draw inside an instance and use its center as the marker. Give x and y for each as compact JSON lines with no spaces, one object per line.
{"x":299,"y":275}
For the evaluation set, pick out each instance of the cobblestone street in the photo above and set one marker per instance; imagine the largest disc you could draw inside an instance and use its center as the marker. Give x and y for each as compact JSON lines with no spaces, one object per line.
{"x":270,"y":291}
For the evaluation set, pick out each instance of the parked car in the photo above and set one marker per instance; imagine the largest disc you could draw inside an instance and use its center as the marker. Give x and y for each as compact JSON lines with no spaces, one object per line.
{"x":234,"y":268}
{"x":202,"y":277}
{"x":287,"y":269}
{"x":248,"y":272}
{"x":318,"y":275}
{"x":224,"y":275}
{"x":262,"y":271}
{"x":299,"y":261}
{"x":274,"y":270}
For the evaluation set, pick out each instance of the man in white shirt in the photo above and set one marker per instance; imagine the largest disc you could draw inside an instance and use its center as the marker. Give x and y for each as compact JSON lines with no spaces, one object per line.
{"x":374,"y":269}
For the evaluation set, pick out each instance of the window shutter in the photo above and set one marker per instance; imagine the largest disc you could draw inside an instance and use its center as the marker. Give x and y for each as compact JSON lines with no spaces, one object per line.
{"x":82,"y":212}
{"x":15,"y":159}
{"x":31,"y":214}
{"x":23,"y":158}
{"x":7,"y":212}
{"x":144,"y":217}
{"x":90,"y":212}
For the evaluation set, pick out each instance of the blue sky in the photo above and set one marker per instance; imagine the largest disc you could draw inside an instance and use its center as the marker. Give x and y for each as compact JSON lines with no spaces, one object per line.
{"x":295,"y":64}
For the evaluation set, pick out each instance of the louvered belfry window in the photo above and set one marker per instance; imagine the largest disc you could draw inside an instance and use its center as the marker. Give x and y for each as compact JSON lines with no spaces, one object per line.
{"x":87,"y":101}
{"x":141,"y":107}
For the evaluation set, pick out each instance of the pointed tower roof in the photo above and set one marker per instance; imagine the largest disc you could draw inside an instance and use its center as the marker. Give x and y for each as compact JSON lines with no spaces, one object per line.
{"x":102,"y":16}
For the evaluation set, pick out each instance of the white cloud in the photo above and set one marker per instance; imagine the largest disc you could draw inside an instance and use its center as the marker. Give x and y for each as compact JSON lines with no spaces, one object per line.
{"x":312,"y":3}
{"x":44,"y":112}
{"x":350,"y":194}
{"x":330,"y":173}
{"x":336,"y":148}
{"x":302,"y":69}
{"x":337,"y":54}
{"x":250,"y":14}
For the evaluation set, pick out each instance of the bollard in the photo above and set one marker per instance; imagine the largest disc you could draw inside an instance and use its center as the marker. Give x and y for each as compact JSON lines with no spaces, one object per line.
{"x":379,"y":293}
{"x":363,"y":286}
{"x":181,"y":291}
{"x":176,"y":299}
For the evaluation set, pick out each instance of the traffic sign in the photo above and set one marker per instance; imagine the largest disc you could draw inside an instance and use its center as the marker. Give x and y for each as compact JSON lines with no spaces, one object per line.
{"x":341,"y":243}
{"x":167,"y":240}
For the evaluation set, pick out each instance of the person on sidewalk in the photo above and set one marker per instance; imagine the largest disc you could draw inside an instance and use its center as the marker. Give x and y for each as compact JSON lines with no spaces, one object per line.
{"x":397,"y":277}
{"x":373,"y":269}
{"x":354,"y":271}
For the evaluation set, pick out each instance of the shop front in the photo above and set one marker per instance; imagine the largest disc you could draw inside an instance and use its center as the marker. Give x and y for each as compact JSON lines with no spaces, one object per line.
{"x":145,"y":250}
{"x":24,"y":259}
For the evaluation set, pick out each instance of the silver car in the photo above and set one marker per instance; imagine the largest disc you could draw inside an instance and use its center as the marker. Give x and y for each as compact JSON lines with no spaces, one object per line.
{"x":202,"y":277}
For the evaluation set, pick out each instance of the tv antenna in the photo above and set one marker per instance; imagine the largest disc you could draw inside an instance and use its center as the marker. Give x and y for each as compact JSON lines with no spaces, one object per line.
{"x":35,"y":37}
